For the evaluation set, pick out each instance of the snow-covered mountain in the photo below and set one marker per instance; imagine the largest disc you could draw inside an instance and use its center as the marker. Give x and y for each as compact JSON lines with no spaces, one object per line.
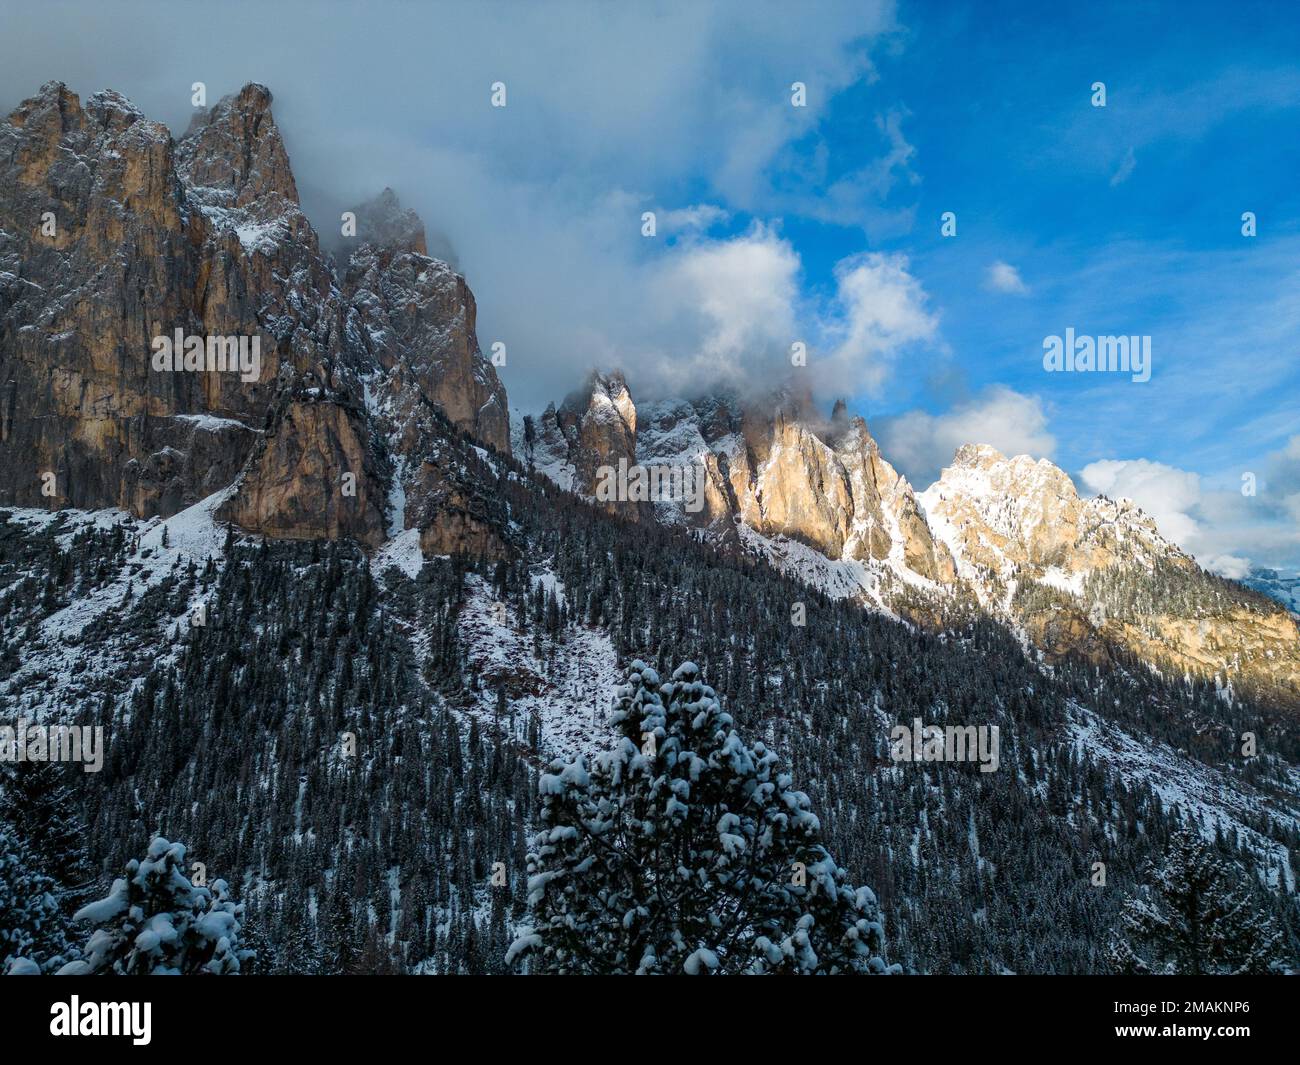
{"x":336,"y":620}
{"x":1010,"y":537}
{"x":1285,"y":588}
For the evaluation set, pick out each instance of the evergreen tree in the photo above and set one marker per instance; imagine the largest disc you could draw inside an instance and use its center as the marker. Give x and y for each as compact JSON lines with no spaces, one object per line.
{"x":300,"y":952}
{"x":686,"y":850}
{"x":341,"y":936}
{"x":40,"y":802}
{"x":32,"y":929}
{"x":154,"y":921}
{"x":1195,"y":918}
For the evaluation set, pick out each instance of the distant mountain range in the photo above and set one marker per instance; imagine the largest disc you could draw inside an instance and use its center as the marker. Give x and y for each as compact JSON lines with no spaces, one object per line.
{"x":1282,"y":587}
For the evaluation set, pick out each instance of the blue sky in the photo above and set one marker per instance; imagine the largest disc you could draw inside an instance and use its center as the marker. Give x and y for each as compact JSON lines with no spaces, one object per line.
{"x":1117,"y":220}
{"x":819,"y":224}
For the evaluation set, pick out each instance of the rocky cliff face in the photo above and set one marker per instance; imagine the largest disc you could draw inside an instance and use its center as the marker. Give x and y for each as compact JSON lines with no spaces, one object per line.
{"x":414,"y":318}
{"x":116,"y":239}
{"x":1093,"y":575}
{"x":773,"y":464}
{"x":594,"y":428}
{"x":829,"y":486}
{"x":97,"y":256}
{"x":1090,"y":577}
{"x":112,"y":234}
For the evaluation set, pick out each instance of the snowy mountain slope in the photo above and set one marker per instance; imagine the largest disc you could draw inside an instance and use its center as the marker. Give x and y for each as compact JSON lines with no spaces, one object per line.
{"x":1212,"y":800}
{"x":565,"y":694}
{"x":57,"y":670}
{"x":1078,"y":576}
{"x":355,"y":729}
{"x":307,"y":643}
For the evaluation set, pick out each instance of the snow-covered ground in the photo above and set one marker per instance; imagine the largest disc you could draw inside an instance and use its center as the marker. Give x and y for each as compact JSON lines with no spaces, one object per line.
{"x":570,"y":691}
{"x":55,"y":663}
{"x":1205,"y":796}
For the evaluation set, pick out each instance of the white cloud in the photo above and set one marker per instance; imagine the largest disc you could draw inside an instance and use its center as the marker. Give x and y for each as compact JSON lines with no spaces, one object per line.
{"x":921,"y":444}
{"x":1231,"y":566}
{"x":698,"y":218}
{"x":858,"y":197}
{"x":738,"y":307}
{"x":1226,"y":531}
{"x":1003,"y":277}
{"x":681,"y":108}
{"x":878,"y":309}
{"x":735,"y":297}
{"x":1168,"y":494}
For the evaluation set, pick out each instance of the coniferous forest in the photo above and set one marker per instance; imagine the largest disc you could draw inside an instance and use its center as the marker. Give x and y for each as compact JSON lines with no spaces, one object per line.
{"x":326,"y":744}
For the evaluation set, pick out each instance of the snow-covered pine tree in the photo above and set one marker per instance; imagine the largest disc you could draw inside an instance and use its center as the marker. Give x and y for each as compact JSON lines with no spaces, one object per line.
{"x":685,"y":849}
{"x":154,"y":921}
{"x":1196,"y":917}
{"x":32,"y":928}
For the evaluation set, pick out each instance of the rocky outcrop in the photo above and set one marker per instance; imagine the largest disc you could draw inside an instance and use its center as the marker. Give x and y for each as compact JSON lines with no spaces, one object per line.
{"x":1004,"y":519}
{"x":828,"y":485}
{"x":96,"y":258}
{"x":414,"y":318}
{"x":317,"y":476}
{"x":776,"y":465}
{"x":594,"y":428}
{"x":1085,"y":576}
{"x":112,"y":234}
{"x":1090,"y":578}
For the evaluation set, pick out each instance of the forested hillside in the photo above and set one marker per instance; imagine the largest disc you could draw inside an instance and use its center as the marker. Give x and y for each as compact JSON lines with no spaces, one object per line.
{"x":332,"y":741}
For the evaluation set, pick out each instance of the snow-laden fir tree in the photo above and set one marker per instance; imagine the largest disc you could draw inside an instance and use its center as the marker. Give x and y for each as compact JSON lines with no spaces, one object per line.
{"x":155,"y":921}
{"x":1196,"y":917}
{"x":32,"y":928}
{"x":684,"y":849}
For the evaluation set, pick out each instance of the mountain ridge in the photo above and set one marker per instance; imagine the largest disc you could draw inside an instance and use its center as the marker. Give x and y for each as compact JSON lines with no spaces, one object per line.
{"x":344,"y":702}
{"x":1012,"y":535}
{"x":367,"y":366}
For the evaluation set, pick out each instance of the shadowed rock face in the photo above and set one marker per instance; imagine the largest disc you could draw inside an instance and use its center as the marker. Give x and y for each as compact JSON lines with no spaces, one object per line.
{"x":414,"y":319}
{"x":112,"y":234}
{"x":316,"y":476}
{"x":79,"y":302}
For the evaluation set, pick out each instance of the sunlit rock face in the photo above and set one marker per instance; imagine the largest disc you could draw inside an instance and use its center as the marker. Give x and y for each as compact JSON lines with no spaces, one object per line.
{"x":1009,"y":537}
{"x":113,"y":234}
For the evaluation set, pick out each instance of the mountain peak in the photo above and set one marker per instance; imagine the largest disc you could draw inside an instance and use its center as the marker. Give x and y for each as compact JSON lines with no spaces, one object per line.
{"x":384,"y":223}
{"x":978,"y":456}
{"x":253,"y":97}
{"x":234,"y":152}
{"x":600,"y":388}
